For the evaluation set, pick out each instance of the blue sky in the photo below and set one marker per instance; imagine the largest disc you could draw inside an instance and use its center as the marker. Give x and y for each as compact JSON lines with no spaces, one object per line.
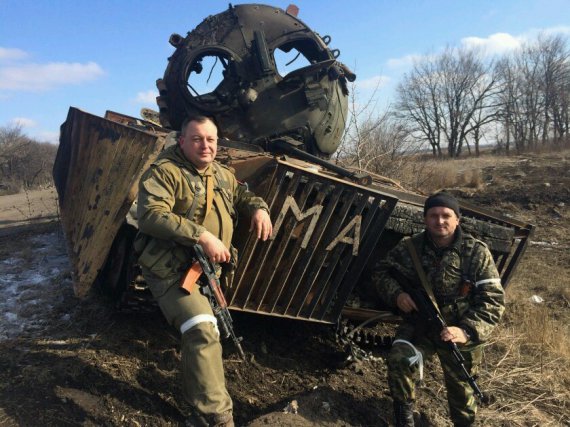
{"x":101,"y":55}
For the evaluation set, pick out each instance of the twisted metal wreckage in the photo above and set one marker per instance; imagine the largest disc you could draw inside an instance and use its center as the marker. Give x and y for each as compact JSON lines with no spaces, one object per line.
{"x":331,"y":223}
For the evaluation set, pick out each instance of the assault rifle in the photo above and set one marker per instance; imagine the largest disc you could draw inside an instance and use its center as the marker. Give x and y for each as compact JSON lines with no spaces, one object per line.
{"x":213,"y":291}
{"x":428,"y":312}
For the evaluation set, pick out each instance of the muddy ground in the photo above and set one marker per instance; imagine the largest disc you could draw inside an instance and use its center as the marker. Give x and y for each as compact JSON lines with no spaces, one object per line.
{"x":65,"y":362}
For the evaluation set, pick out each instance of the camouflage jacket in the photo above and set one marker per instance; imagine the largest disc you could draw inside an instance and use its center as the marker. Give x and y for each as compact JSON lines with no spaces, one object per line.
{"x":446,"y":268}
{"x":172,"y":206}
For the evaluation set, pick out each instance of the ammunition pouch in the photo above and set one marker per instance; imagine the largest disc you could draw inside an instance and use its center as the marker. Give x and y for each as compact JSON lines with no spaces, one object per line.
{"x":162,"y":258}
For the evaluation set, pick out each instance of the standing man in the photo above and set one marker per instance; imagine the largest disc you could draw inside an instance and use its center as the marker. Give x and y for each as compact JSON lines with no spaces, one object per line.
{"x":467,"y":289}
{"x":186,"y":198}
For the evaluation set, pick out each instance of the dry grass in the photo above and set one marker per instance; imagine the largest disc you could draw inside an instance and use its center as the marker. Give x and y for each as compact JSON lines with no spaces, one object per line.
{"x":528,"y":363}
{"x":431,"y":175}
{"x":526,"y":368}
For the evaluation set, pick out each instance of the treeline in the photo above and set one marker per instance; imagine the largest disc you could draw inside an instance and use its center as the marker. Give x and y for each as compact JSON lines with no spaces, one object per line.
{"x":458,"y":100}
{"x":25,"y":163}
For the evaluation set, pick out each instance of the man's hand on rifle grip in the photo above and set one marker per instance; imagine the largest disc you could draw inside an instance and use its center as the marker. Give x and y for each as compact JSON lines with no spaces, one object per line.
{"x":454,"y":334}
{"x":214,"y":248}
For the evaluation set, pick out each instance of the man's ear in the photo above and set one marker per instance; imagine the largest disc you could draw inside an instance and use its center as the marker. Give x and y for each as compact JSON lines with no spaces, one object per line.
{"x":180,"y":140}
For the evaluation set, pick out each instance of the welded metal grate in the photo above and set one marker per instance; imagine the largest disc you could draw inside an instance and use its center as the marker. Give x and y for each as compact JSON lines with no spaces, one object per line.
{"x":325,"y":230}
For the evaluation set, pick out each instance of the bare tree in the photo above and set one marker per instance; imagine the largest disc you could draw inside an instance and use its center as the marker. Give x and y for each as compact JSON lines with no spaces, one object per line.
{"x":419,"y":104}
{"x":24,"y":162}
{"x":374,"y":141}
{"x":536,"y":92}
{"x":507,"y":99}
{"x":469,"y":88}
{"x":452,"y":95}
{"x":554,"y":60}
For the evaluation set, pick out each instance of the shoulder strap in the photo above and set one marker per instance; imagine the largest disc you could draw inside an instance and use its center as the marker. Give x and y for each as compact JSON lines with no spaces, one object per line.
{"x":192,"y":179}
{"x":222,"y":181}
{"x":421,"y":273}
{"x":209,"y":193}
{"x":467,"y":250}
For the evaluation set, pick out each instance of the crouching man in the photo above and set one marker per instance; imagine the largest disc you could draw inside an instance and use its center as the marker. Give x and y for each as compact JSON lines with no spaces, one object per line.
{"x":464,"y":280}
{"x":187,"y":198}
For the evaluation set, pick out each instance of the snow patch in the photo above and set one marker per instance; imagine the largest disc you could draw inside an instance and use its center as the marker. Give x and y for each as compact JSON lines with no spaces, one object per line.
{"x":31,"y":292}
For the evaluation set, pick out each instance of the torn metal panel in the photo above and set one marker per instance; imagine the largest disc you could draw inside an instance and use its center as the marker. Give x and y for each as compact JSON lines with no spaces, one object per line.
{"x":96,"y":173}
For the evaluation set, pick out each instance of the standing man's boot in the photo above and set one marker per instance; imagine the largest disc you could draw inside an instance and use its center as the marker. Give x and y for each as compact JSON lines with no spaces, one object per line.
{"x":404,"y":414}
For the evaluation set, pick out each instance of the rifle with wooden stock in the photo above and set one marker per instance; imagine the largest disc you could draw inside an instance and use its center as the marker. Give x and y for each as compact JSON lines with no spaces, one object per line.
{"x":212,"y":289}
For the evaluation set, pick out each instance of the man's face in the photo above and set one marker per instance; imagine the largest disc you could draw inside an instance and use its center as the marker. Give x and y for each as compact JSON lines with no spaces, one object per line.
{"x":441,"y":222}
{"x":200,"y":143}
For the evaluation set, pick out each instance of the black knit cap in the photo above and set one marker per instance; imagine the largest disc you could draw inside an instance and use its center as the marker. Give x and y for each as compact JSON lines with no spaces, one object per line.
{"x":443,"y":199}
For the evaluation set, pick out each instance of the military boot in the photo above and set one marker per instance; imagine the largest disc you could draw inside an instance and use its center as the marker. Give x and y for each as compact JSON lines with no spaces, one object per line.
{"x":222,"y":420}
{"x":217,"y":420}
{"x":404,"y":414}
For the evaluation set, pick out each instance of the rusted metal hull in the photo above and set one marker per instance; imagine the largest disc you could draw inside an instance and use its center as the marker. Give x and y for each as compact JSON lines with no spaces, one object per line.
{"x":96,"y":173}
{"x":329,"y":231}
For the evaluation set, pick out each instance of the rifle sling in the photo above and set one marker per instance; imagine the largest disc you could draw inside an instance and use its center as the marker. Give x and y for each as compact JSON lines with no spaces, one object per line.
{"x":421,"y":273}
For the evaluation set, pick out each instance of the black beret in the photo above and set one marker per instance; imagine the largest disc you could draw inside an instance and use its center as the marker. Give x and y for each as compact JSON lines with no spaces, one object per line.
{"x":443,"y":199}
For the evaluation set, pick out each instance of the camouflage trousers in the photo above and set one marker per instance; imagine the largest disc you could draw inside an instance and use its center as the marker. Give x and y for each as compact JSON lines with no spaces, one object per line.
{"x":405,"y":363}
{"x":203,"y":380}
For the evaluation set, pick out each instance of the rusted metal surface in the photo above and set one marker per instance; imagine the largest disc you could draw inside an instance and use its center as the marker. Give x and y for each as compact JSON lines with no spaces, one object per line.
{"x":96,"y":173}
{"x":325,"y":231}
{"x":251,"y":94}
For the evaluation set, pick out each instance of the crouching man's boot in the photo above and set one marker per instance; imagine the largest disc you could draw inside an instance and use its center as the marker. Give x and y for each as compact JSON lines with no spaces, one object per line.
{"x":404,"y":414}
{"x":217,"y":420}
{"x":222,"y":420}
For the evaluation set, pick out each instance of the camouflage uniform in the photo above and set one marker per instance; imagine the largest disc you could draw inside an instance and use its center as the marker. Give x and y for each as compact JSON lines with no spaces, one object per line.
{"x":477,"y":313}
{"x":171,"y":218}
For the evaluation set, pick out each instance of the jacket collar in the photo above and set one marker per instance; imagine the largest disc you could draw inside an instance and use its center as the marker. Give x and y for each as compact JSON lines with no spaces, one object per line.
{"x":176,"y":155}
{"x":455,"y":245}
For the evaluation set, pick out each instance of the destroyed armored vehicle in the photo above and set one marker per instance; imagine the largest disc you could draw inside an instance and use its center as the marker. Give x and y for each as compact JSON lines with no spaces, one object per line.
{"x":330,"y":224}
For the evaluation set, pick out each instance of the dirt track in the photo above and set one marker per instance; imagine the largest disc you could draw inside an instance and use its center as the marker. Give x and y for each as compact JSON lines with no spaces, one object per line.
{"x":69,"y":362}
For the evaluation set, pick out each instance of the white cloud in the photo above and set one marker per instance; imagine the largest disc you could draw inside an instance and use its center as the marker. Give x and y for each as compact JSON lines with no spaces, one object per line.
{"x":148,"y":97}
{"x":38,"y":77}
{"x":23,"y":122}
{"x":497,"y":43}
{"x":7,"y":54}
{"x":500,"y":43}
{"x":405,"y":61}
{"x":375,"y":82}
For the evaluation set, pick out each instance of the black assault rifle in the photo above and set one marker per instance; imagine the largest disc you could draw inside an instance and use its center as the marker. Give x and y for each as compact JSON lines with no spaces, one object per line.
{"x":428,"y":312}
{"x":213,"y":291}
